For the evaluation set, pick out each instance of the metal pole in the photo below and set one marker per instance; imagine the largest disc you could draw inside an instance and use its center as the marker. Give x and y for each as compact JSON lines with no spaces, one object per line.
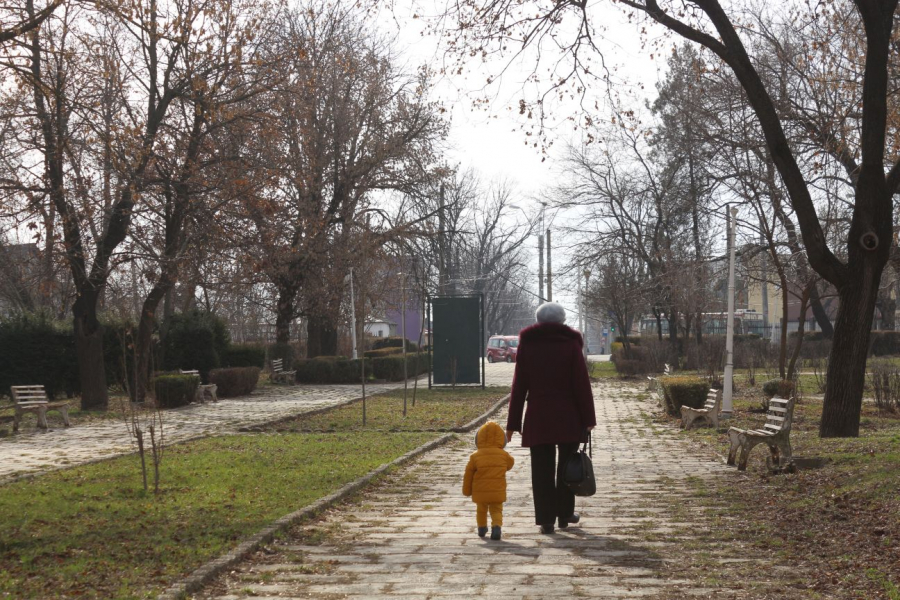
{"x":549,"y":270}
{"x":587,"y":322}
{"x":728,"y":390}
{"x":540,"y":269}
{"x":403,"y":333}
{"x":430,"y":340}
{"x":353,"y":317}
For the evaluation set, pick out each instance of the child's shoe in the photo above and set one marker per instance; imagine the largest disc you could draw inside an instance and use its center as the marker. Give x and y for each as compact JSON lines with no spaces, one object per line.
{"x":495,"y":532}
{"x":482,"y":531}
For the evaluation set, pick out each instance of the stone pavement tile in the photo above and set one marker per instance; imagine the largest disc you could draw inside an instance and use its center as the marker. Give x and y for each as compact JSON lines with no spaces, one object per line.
{"x":415,"y":536}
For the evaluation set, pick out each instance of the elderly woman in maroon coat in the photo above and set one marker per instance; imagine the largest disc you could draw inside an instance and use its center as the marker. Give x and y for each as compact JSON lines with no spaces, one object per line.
{"x":551,"y":377}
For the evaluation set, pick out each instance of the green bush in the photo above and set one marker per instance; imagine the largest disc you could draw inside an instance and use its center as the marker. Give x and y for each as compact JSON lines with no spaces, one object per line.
{"x":616,"y":346}
{"x":244,"y":355}
{"x":173,"y":391}
{"x":632,"y":339}
{"x":682,"y":390}
{"x":777,"y":387}
{"x":390,"y":351}
{"x":390,"y":368}
{"x":195,"y":340}
{"x":36,"y":350}
{"x":234,"y":381}
{"x":284,"y":352}
{"x":885,"y":343}
{"x":330,"y":370}
{"x":632,"y":368}
{"x":393,"y":342}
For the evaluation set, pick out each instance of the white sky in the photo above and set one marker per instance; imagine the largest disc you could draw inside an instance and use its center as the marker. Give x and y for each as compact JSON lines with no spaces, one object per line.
{"x":492,"y":142}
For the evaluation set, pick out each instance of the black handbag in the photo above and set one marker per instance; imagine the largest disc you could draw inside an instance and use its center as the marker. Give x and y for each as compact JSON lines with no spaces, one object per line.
{"x":579,"y":472}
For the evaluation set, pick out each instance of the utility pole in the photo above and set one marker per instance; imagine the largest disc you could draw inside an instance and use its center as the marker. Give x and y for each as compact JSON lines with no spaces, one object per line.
{"x":353,"y":317}
{"x":549,"y":270}
{"x":540,"y":269}
{"x":728,"y":390}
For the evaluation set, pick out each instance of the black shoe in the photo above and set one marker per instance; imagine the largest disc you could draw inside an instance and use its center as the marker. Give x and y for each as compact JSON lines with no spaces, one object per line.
{"x":547,"y":529}
{"x":482,"y":531}
{"x":563,"y":523}
{"x":495,"y":532}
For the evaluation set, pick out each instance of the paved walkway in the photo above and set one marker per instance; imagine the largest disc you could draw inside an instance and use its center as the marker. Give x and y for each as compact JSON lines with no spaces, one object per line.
{"x":34,"y":450}
{"x":414,"y":535}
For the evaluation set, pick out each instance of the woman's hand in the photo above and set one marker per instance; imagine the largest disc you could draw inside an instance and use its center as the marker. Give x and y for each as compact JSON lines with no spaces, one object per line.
{"x":509,"y":435}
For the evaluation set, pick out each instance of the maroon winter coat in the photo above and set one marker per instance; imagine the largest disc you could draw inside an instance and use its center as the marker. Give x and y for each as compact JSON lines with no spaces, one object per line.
{"x":552,"y":377}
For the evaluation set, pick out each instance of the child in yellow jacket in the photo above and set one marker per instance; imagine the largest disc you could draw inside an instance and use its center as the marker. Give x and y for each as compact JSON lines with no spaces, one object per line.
{"x":485,"y":479}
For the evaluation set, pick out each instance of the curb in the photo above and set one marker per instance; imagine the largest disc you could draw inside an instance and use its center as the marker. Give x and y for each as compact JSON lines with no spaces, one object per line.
{"x":205,"y":573}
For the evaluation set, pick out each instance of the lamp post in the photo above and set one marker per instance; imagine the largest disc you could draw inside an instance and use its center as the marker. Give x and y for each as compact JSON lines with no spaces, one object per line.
{"x":728,"y":390}
{"x":353,"y":317}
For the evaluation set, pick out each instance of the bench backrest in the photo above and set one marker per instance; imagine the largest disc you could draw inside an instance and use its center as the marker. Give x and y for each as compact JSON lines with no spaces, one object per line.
{"x":667,"y":370}
{"x":277,"y":365}
{"x":191,"y":372}
{"x":28,"y":394}
{"x":780,"y":415}
{"x":713,"y":400}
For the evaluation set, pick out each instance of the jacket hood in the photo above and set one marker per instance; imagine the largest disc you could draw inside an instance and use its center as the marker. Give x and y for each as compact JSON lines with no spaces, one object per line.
{"x":490,"y":435}
{"x":548,"y":332}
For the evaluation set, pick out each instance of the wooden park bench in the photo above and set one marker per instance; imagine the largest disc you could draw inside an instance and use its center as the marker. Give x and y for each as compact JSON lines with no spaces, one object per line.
{"x":775,"y":434}
{"x":204,"y":392}
{"x":279,"y":374}
{"x":654,"y":385}
{"x":33,"y":398}
{"x":691,"y":417}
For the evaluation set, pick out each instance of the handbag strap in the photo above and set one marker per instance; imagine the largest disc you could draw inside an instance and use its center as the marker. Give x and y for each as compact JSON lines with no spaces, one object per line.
{"x":589,"y":445}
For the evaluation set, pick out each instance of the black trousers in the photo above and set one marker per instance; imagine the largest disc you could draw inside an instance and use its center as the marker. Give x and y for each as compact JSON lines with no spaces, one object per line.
{"x":553,"y":499}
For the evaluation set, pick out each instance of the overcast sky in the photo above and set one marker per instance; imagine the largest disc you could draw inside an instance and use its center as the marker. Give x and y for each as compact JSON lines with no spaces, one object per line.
{"x":492,"y":141}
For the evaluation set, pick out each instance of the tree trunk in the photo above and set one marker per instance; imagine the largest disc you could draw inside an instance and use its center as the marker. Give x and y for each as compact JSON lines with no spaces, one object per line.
{"x":142,"y":348}
{"x":322,"y":337}
{"x":89,"y":348}
{"x":819,"y":313}
{"x":284,"y":314}
{"x":888,"y":306}
{"x":849,"y":350}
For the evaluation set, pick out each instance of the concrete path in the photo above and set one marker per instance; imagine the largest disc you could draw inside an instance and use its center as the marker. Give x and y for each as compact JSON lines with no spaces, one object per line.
{"x":34,"y":450}
{"x":414,"y":535}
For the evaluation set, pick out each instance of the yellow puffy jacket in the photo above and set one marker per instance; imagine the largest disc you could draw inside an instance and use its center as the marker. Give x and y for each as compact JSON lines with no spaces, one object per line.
{"x":485,"y":478}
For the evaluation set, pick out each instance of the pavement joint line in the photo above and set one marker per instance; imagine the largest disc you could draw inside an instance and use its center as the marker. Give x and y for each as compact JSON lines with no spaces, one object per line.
{"x":205,"y":573}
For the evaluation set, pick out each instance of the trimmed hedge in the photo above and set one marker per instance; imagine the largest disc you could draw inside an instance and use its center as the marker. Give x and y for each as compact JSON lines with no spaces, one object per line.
{"x":885,"y":343}
{"x":632,"y":339}
{"x":391,"y":351}
{"x":390,"y":368}
{"x":195,"y":340}
{"x":244,"y":355}
{"x":330,"y":370}
{"x":234,"y":381}
{"x":683,"y":390}
{"x":777,"y":387}
{"x":173,"y":391}
{"x":36,"y":350}
{"x":393,"y":342}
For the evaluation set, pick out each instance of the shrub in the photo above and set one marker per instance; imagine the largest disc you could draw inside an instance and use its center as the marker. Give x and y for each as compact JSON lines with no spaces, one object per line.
{"x":632,"y":339}
{"x":195,"y":340}
{"x":885,"y":343}
{"x":390,"y":351}
{"x":393,"y":342}
{"x":234,"y":381}
{"x":682,"y":390}
{"x":390,"y":368}
{"x":244,"y":355}
{"x":613,"y":350}
{"x":632,"y":368}
{"x":36,"y":350}
{"x":330,"y":370}
{"x":173,"y":391}
{"x":778,"y":387}
{"x":884,"y":376}
{"x":284,"y":352}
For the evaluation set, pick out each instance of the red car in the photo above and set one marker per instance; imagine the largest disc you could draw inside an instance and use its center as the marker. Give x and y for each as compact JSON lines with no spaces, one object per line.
{"x":502,"y":348}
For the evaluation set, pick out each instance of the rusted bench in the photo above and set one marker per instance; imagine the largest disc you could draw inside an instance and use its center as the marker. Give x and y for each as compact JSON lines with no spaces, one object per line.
{"x":775,"y":434}
{"x":279,"y":374}
{"x":691,"y":417}
{"x":33,"y":398}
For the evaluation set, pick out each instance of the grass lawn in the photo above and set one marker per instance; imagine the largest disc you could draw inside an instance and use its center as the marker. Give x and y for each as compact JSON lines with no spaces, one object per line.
{"x":599,"y":370}
{"x":842,"y":519}
{"x":91,"y":532}
{"x":435,"y":410}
